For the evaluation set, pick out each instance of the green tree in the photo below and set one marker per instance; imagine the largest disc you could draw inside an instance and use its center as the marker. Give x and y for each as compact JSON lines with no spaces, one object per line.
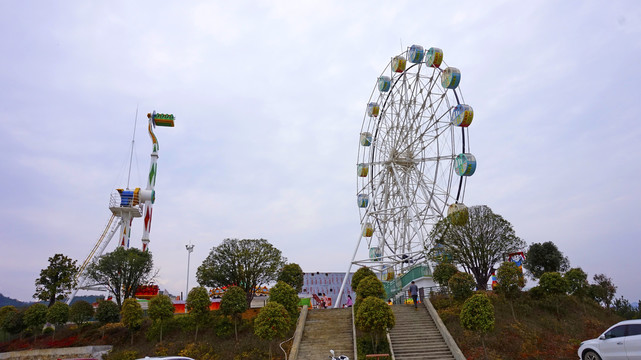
{"x":545,"y":257}
{"x":160,"y":309}
{"x":368,"y":286}
{"x":461,"y":286}
{"x":13,"y":321}
{"x":247,"y":263}
{"x":122,"y":271}
{"x":198,"y":306}
{"x":35,"y":317}
{"x":477,"y":315}
{"x":359,"y":275}
{"x":57,"y":280}
{"x":272,"y":323}
{"x":510,"y":281}
{"x":603,"y":290}
{"x":292,"y":274}
{"x":234,"y":304}
{"x":374,"y":317}
{"x":443,"y":272}
{"x":577,"y":281}
{"x":478,"y":245}
{"x":58,"y":314}
{"x":81,"y":312}
{"x":555,"y":285}
{"x":131,"y":314}
{"x":6,"y":310}
{"x":107,"y":312}
{"x":287,"y":296}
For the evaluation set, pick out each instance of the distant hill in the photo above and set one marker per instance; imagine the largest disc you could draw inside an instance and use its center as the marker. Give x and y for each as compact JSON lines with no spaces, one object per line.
{"x":4,"y":300}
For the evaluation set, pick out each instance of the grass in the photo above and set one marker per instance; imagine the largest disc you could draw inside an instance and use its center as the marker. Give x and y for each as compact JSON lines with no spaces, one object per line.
{"x":538,"y":332}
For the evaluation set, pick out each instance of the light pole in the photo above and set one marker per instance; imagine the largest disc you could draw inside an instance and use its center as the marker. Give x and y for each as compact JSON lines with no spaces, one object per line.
{"x":190,"y":249}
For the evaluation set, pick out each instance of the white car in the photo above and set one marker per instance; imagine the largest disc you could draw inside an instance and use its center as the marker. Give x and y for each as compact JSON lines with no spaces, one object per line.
{"x":166,"y":358}
{"x":621,"y":341}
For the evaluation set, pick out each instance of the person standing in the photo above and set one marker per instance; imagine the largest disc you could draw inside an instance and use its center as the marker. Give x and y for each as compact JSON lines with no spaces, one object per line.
{"x":414,"y":293}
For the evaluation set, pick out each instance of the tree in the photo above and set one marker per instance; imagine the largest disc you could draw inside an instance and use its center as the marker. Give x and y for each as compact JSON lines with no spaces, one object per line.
{"x":510,"y":281}
{"x":81,"y":312}
{"x":198,"y":306}
{"x":273,"y":322}
{"x":478,"y":245}
{"x":247,"y":263}
{"x":604,"y":290}
{"x":58,"y":314}
{"x":545,"y":257}
{"x":553,"y":284}
{"x":370,"y":286}
{"x":234,"y":303}
{"x":461,"y":285}
{"x":359,"y":275}
{"x":287,"y":296}
{"x":577,"y":281}
{"x":131,"y":315}
{"x":292,"y":274}
{"x":107,"y":312}
{"x":122,"y":271}
{"x":35,"y":317}
{"x":13,"y":321}
{"x":160,"y":309}
{"x":5,"y":310}
{"x":374,"y":316}
{"x":57,"y":280}
{"x":477,"y":315}
{"x":443,"y":272}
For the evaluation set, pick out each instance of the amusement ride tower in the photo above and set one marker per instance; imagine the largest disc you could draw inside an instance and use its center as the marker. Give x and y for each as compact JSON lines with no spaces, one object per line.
{"x":127,"y":204}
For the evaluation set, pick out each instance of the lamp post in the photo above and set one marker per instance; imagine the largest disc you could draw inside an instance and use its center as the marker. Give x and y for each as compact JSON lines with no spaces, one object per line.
{"x":190,"y":249}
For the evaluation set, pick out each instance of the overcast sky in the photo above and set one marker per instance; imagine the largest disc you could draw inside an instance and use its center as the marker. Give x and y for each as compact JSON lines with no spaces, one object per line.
{"x":269,"y":98}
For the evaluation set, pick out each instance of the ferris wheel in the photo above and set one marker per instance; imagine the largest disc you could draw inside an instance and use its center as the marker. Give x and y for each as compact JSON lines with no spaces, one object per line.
{"x":413,"y":159}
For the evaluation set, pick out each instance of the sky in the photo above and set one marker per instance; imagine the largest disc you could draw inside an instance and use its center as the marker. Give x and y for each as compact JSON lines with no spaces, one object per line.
{"x":269,"y":99}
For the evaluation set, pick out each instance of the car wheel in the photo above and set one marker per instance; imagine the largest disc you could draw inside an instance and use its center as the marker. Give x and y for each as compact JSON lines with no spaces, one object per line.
{"x":591,"y":355}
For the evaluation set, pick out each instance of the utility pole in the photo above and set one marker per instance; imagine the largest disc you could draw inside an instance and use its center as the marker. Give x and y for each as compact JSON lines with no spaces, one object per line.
{"x":190,"y":249}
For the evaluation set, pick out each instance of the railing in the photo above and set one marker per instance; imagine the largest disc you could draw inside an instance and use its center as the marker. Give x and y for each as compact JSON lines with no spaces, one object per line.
{"x":393,"y":287}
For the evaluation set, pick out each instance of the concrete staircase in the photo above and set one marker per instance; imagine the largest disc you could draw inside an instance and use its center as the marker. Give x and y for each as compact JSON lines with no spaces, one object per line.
{"x":415,"y":335}
{"x":327,"y":329}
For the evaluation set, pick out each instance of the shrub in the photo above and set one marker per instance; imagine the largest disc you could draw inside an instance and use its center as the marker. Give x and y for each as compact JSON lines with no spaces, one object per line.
{"x":131,"y":314}
{"x":107,"y":312}
{"x":273,"y":322}
{"x":477,"y":315}
{"x":443,"y":272}
{"x":58,"y":314}
{"x":35,"y":316}
{"x":224,"y":327}
{"x":462,"y":286}
{"x":81,"y":312}
{"x":287,"y":296}
{"x":374,"y":316}
{"x":160,"y":310}
{"x":122,"y":355}
{"x":359,"y":275}
{"x":370,"y":286}
{"x":577,"y":281}
{"x":199,"y":351}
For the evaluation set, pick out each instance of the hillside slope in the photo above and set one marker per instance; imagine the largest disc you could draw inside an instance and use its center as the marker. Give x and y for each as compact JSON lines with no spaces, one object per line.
{"x":538,"y":331}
